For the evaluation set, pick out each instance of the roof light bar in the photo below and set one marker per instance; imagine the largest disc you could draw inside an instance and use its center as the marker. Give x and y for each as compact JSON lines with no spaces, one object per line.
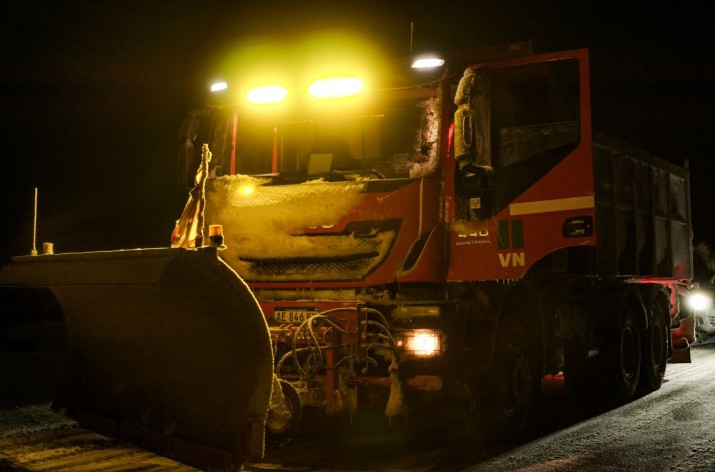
{"x":267,"y":94}
{"x":336,"y":87}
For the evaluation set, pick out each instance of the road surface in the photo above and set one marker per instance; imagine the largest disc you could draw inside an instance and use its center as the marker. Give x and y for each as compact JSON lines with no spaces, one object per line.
{"x":668,"y":430}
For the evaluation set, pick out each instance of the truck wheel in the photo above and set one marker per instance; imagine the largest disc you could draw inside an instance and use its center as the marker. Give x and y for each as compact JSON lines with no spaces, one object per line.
{"x":624,"y":356}
{"x":655,"y":350}
{"x":278,"y":429}
{"x":513,"y":382}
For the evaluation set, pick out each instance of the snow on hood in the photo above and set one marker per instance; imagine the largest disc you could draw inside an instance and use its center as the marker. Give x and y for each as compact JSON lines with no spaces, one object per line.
{"x":269,"y":222}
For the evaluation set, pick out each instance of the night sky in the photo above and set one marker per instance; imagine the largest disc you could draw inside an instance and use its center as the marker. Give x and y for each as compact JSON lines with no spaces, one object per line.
{"x":93,"y":93}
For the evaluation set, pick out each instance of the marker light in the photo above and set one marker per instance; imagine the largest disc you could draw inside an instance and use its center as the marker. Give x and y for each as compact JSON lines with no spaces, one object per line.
{"x":216,"y":235}
{"x":428,"y":63}
{"x":266,"y":94}
{"x":218,"y":86}
{"x":335,"y":87}
{"x":699,"y":301}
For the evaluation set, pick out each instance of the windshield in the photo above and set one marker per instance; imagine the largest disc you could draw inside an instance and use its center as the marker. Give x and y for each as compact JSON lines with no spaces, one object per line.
{"x":395,"y":140}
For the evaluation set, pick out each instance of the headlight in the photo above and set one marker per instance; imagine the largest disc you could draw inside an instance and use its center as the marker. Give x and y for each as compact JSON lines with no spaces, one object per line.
{"x":699,"y":301}
{"x":420,"y":342}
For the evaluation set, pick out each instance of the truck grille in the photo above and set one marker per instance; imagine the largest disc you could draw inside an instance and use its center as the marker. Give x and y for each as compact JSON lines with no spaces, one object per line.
{"x":353,"y":267}
{"x":350,"y":254}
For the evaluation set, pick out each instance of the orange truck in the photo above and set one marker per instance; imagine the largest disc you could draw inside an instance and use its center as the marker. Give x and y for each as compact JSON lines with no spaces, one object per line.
{"x":447,"y":230}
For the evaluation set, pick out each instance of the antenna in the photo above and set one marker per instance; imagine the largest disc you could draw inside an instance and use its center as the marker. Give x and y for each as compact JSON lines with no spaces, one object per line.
{"x":412,"y":31}
{"x":34,"y":228}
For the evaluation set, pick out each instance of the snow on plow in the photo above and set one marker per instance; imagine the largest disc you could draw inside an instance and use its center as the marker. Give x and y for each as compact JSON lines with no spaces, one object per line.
{"x":167,"y":348}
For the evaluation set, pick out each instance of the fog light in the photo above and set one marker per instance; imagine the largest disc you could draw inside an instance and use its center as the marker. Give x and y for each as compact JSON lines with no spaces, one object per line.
{"x":420,"y":342}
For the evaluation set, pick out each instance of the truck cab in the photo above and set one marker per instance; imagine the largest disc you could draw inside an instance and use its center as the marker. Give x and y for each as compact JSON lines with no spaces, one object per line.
{"x":441,"y":226}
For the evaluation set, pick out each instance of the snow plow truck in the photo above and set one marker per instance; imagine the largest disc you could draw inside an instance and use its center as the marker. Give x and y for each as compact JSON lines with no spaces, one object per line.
{"x":449,"y":229}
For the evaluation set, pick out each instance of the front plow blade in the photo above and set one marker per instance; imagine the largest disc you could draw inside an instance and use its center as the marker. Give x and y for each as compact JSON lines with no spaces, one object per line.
{"x":167,"y":348}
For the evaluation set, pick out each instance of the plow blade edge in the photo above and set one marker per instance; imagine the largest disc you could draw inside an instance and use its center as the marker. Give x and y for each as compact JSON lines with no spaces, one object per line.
{"x":167,"y":348}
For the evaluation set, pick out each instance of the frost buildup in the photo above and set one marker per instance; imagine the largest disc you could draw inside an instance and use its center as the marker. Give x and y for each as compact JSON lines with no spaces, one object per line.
{"x":265,"y":224}
{"x":428,"y":139}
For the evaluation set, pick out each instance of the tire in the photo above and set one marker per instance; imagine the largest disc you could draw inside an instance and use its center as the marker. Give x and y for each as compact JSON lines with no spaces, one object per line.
{"x":514,"y":383}
{"x":280,"y":430}
{"x":624,"y":356}
{"x":655,"y":350}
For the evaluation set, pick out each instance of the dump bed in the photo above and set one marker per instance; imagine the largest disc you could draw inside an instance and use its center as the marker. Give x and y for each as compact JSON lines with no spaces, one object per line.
{"x":642,"y":213}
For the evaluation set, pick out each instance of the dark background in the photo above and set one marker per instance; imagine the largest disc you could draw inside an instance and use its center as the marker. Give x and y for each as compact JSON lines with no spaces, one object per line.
{"x":93,"y":93}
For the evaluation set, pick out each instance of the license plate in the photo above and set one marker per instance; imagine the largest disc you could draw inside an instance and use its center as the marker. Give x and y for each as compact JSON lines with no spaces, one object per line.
{"x":293,"y":315}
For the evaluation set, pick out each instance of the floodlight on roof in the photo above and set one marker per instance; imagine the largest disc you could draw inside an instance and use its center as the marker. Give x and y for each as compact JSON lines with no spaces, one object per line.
{"x":218,"y":87}
{"x":430,"y":62}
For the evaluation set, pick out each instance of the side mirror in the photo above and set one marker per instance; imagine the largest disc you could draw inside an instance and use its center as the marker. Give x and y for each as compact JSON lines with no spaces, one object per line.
{"x":464,"y":118}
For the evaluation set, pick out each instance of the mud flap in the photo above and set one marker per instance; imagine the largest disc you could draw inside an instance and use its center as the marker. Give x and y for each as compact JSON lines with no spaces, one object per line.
{"x":681,"y":338}
{"x":167,"y":348}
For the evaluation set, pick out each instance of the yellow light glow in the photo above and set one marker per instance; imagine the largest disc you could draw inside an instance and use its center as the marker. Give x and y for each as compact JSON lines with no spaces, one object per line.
{"x":336,"y":87}
{"x":296,"y":60}
{"x":267,"y":94}
{"x":246,"y":190}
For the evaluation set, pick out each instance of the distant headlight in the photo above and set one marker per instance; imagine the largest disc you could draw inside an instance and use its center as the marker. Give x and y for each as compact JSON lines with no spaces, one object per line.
{"x":699,"y":301}
{"x":420,"y":342}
